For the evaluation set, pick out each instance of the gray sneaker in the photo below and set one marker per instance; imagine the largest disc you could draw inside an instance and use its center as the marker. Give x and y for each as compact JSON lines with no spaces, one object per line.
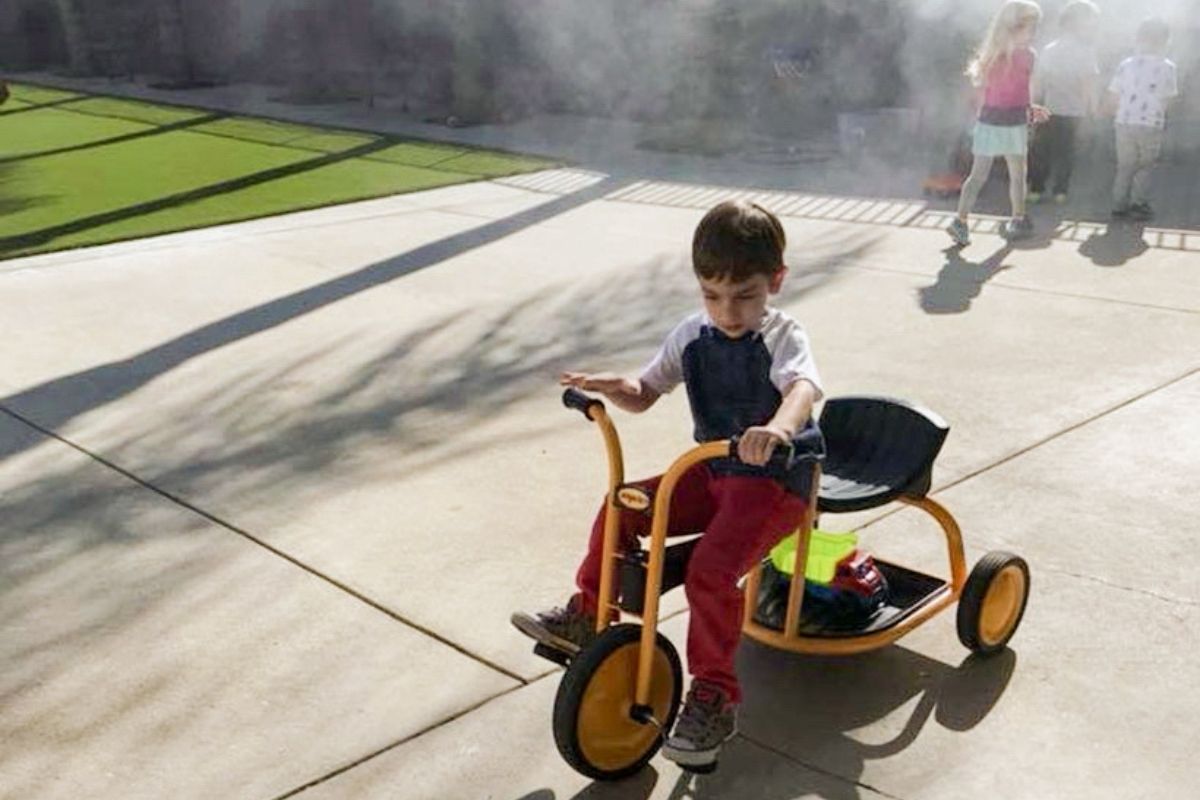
{"x":1017,"y":228}
{"x":959,"y":232}
{"x":567,"y":628}
{"x":707,"y":721}
{"x":1141,"y":211}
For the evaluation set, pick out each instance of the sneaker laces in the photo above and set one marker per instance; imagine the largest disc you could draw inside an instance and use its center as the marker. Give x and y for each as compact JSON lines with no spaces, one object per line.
{"x":573,"y":609}
{"x":557,"y":615}
{"x":703,"y":707}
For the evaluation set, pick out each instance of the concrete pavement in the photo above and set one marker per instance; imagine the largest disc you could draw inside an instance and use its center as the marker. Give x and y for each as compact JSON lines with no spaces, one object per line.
{"x":270,"y":491}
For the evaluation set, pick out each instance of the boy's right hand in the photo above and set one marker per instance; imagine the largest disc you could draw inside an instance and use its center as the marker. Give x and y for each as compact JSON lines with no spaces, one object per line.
{"x":627,"y":393}
{"x":606,"y":383}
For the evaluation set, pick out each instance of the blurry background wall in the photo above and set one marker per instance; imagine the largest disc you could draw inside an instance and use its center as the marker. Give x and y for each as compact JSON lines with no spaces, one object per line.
{"x":782,"y":66}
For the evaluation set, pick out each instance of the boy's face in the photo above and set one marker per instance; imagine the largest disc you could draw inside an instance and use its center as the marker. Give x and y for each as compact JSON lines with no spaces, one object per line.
{"x":1088,"y":29}
{"x":737,"y":308}
{"x":1152,"y":45}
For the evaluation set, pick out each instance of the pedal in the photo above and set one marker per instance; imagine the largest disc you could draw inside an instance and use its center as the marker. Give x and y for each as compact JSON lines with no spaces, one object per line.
{"x":552,"y":654}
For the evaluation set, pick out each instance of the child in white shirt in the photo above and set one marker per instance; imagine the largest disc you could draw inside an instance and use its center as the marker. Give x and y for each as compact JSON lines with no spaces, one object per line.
{"x":1065,"y":82}
{"x":1141,"y":90}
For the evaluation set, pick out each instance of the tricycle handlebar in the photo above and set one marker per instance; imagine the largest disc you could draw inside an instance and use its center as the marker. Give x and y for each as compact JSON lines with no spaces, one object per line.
{"x":573,"y":398}
{"x":784,"y":456}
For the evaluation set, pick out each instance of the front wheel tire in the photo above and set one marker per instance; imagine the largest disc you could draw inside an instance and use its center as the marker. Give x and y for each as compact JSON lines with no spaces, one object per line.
{"x":993,"y":602}
{"x":593,"y":726}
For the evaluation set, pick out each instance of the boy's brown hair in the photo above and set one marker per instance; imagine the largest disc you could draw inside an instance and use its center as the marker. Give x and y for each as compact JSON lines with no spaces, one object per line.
{"x":1077,"y":14}
{"x":737,"y":240}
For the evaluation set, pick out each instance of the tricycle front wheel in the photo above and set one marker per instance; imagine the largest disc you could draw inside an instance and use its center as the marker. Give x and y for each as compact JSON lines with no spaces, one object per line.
{"x":993,"y":602}
{"x":594,"y":724}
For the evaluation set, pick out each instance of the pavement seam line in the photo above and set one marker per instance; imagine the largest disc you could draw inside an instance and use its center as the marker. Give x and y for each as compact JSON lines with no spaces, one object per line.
{"x":177,"y":500}
{"x":1044,"y":440}
{"x":813,"y":768}
{"x":405,"y":740}
{"x":1166,"y":598}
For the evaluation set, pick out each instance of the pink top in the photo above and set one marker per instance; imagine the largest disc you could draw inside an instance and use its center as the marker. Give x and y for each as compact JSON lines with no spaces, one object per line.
{"x":1007,"y":83}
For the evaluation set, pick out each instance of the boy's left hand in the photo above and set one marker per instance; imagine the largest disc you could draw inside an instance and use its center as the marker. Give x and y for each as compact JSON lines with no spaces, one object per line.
{"x":1039,"y":114}
{"x":757,"y":443}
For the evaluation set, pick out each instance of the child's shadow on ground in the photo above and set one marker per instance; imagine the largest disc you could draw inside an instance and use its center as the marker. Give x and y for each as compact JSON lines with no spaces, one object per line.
{"x":960,"y":281}
{"x":1116,"y":246}
{"x":800,"y":709}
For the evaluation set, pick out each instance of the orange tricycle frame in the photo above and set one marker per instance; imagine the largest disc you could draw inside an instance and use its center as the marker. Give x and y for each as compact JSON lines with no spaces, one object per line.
{"x":790,"y":637}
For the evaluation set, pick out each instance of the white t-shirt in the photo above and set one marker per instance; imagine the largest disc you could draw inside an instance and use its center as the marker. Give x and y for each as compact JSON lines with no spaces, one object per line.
{"x":784,"y":338}
{"x":1064,"y":71}
{"x":1144,"y":84}
{"x":734,"y":384}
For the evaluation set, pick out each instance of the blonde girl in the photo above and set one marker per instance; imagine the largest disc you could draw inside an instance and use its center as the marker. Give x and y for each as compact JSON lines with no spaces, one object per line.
{"x":1002,"y":71}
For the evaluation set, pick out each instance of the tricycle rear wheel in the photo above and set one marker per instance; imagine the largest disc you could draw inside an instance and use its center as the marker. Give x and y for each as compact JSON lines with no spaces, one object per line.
{"x":594,"y":726}
{"x":993,"y":602}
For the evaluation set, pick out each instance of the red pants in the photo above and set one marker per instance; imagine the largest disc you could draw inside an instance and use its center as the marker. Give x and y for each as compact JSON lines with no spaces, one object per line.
{"x":742,"y":519}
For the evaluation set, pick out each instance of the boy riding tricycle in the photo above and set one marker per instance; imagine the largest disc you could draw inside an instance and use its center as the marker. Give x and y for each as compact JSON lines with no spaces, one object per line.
{"x":755,"y":479}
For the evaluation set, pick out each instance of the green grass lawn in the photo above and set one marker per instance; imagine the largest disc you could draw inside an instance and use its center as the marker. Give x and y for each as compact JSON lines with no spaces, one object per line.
{"x":78,"y":170}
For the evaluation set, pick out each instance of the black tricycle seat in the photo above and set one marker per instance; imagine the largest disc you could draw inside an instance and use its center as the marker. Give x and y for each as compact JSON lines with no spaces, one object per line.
{"x":877,"y":450}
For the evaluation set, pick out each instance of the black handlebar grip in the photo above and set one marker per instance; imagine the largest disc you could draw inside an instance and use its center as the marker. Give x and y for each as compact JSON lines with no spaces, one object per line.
{"x":782,"y":457}
{"x":573,"y":398}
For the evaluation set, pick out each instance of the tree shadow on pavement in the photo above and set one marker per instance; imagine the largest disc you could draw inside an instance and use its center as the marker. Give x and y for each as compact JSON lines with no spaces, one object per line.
{"x":275,"y":420}
{"x":57,"y":402}
{"x":274,"y":416}
{"x":271,"y":422}
{"x":255,"y":439}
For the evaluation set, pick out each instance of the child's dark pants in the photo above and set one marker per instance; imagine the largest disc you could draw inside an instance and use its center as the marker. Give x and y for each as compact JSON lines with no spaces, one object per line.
{"x":1052,"y":154}
{"x":742,"y":519}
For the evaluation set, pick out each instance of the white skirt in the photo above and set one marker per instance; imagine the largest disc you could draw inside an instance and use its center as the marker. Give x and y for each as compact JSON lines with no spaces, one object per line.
{"x":1000,"y":140}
